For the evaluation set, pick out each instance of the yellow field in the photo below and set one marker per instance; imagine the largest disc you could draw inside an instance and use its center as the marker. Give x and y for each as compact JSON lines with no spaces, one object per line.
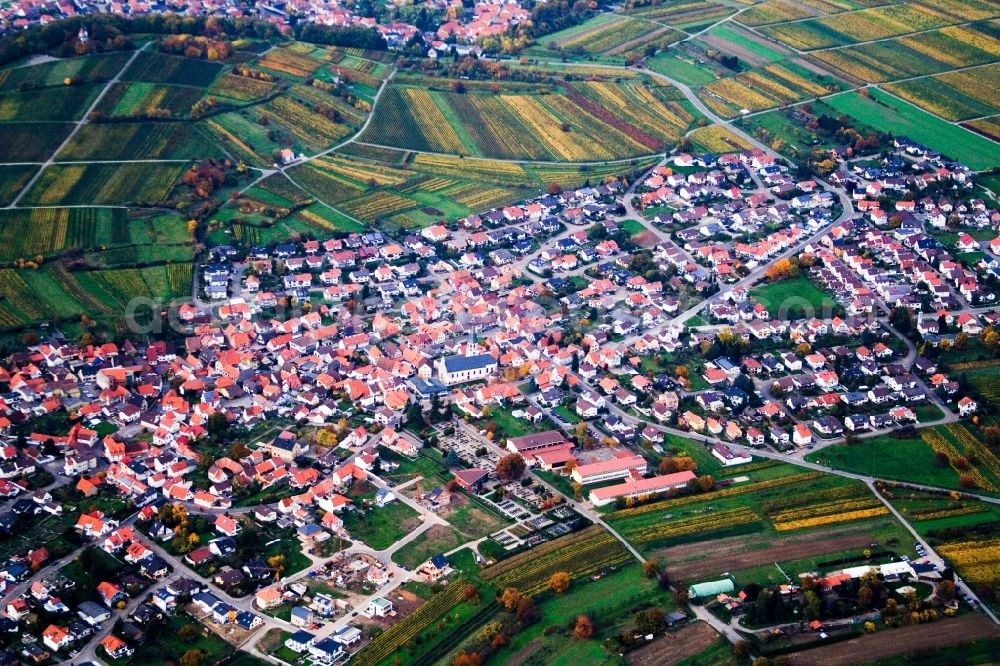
{"x":718,"y":139}
{"x":547,"y":128}
{"x":363,"y":173}
{"x":432,"y":122}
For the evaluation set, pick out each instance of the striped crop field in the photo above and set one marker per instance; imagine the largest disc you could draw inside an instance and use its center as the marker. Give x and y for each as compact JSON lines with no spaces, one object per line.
{"x":718,"y":139}
{"x":139,"y":99}
{"x":153,"y":67}
{"x":310,"y":129}
{"x":328,"y":186}
{"x":955,"y":96}
{"x":103,"y":184}
{"x":25,"y":233}
{"x":928,"y":53}
{"x":377,"y":205}
{"x":288,"y":61}
{"x":988,"y":127}
{"x":608,"y":35}
{"x":861,"y":26}
{"x":589,"y":122}
{"x":315,"y":96}
{"x":143,"y":140}
{"x":774,"y":11}
{"x":487,"y":170}
{"x":758,"y":89}
{"x":687,"y":15}
{"x":240,"y":88}
{"x":361,"y":173}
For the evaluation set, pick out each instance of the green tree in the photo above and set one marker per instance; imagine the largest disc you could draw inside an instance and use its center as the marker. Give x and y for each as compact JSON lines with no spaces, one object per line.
{"x":217,"y":425}
{"x":649,"y":621}
{"x":812,"y":605}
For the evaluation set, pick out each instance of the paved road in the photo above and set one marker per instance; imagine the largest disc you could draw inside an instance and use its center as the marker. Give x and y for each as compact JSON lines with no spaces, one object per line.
{"x":284,"y":168}
{"x":584,"y":508}
{"x":399,"y":574}
{"x":960,"y":586}
{"x":76,"y":128}
{"x":801,"y":462}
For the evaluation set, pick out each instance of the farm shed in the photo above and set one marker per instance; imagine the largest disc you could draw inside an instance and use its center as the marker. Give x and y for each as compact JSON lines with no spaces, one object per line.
{"x":711,"y":588}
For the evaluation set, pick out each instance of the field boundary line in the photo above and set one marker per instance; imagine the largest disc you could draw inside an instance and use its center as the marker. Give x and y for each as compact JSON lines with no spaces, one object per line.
{"x":79,"y":123}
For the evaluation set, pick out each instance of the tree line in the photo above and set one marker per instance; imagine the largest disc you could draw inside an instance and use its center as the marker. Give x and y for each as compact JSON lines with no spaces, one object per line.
{"x":108,"y":32}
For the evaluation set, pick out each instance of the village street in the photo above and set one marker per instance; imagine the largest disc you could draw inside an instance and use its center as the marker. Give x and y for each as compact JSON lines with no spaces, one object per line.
{"x":398,"y":575}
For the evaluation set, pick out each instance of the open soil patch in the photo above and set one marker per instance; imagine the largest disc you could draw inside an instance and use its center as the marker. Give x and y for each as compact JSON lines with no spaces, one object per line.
{"x":890,"y":642}
{"x":646,"y":239}
{"x":690,"y":561}
{"x":675,"y":646}
{"x":525,"y":653}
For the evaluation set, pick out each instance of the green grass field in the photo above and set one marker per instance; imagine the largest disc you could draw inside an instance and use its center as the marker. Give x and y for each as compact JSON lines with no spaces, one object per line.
{"x":240,"y":134}
{"x":888,"y":458}
{"x":890,"y":114}
{"x":468,"y":520}
{"x":508,"y":426}
{"x":610,"y":602}
{"x":736,"y":36}
{"x":922,"y":509}
{"x":795,"y":138}
{"x":168,"y":647}
{"x":683,"y":446}
{"x":428,"y":464}
{"x":380,"y":527}
{"x":795,"y":298}
{"x":928,"y":412}
{"x":687,"y":72}
{"x":991,"y":183}
{"x":633,"y":227}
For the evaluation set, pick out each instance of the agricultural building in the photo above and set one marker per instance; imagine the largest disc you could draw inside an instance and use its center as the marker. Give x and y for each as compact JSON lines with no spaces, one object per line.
{"x":711,"y":588}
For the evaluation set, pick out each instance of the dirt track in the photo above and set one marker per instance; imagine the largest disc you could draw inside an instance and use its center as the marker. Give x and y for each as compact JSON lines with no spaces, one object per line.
{"x":890,"y":642}
{"x":642,"y":39}
{"x":675,"y":646}
{"x":690,"y":561}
